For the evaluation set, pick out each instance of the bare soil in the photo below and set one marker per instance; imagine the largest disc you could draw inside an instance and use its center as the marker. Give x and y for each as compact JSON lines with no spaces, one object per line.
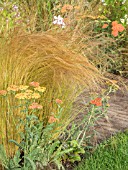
{"x":117,"y":116}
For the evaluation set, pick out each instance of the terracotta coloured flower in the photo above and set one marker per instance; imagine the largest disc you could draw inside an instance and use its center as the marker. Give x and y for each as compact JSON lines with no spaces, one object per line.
{"x":35,"y":106}
{"x":3,"y":92}
{"x":34,"y":84}
{"x":115,"y":28}
{"x":40,"y":89}
{"x":13,"y":88}
{"x":52,"y":119}
{"x":114,"y":23}
{"x":66,"y":8}
{"x":105,"y":26}
{"x":120,"y":27}
{"x":115,"y":33}
{"x":97,"y":101}
{"x":58,"y":101}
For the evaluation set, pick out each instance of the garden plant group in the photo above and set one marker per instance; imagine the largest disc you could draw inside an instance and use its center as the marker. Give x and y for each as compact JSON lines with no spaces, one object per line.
{"x":50,"y":53}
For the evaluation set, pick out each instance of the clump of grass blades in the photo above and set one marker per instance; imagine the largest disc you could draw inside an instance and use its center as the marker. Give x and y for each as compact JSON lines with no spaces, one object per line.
{"x":40,"y":57}
{"x":111,"y":154}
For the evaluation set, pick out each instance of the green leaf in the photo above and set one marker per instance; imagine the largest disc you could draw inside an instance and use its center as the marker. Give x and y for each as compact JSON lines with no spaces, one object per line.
{"x":17,"y":144}
{"x":33,"y":166}
{"x":3,"y":156}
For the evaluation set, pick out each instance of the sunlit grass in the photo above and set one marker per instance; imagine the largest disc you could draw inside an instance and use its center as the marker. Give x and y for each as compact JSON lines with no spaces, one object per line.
{"x":111,"y":154}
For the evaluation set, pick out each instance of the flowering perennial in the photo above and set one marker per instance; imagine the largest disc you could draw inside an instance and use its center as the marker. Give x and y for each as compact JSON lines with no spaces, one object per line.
{"x":13,"y":88}
{"x":34,"y":84}
{"x":40,"y":89}
{"x":116,"y":28}
{"x":97,"y":101}
{"x":35,"y":106}
{"x":52,"y":119}
{"x":105,"y":26}
{"x":59,"y":21}
{"x":58,"y":101}
{"x":3,"y":92}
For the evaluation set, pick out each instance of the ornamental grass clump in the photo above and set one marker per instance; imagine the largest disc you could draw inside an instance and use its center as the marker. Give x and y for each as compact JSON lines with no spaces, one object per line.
{"x":42,"y":60}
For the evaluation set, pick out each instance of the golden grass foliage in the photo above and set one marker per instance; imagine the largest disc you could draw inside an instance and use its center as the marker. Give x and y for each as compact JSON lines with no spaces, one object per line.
{"x":40,"y":57}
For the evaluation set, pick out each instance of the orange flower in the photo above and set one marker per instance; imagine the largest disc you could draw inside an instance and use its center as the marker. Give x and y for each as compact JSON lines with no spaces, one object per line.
{"x":105,"y":26}
{"x":3,"y":92}
{"x":58,"y":101}
{"x":116,"y":28}
{"x":34,"y":84}
{"x":52,"y":119}
{"x":114,"y":23}
{"x":120,"y":27}
{"x":35,"y":106}
{"x":97,"y":101}
{"x":115,"y":33}
{"x":66,"y":7}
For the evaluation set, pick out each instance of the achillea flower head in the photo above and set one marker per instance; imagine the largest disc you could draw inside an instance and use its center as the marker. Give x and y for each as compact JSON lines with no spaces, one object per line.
{"x":40,"y":89}
{"x":97,"y":101}
{"x":105,"y":26}
{"x":58,"y":101}
{"x":29,"y":91}
{"x":52,"y":119}
{"x":22,"y":87}
{"x":35,"y":96}
{"x":21,"y":96}
{"x":13,"y":88}
{"x":3,"y":92}
{"x":34,"y":84}
{"x":35,"y":106}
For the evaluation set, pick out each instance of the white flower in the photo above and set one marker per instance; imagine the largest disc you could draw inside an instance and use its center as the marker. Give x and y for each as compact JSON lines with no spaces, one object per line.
{"x":123,"y":1}
{"x":1,"y":9}
{"x":126,"y":16}
{"x":127,"y":21}
{"x":122,"y":20}
{"x":59,"y":21}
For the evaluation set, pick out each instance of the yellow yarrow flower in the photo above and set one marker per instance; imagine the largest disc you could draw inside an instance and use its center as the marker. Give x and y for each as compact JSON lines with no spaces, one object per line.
{"x":29,"y":91}
{"x":13,"y":88}
{"x":22,"y":87}
{"x":40,"y":89}
{"x":21,"y":96}
{"x":35,"y":96}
